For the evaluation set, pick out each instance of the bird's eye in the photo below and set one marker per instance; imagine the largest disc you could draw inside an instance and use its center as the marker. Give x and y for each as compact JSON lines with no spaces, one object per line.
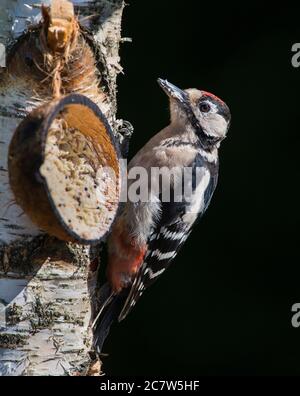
{"x":204,"y":107}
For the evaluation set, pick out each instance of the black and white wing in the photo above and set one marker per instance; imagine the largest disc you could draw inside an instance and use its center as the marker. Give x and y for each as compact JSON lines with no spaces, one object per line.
{"x":173,"y":229}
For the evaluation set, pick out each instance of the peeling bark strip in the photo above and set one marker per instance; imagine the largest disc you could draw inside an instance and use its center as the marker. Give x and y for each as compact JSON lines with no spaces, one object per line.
{"x":45,"y":286}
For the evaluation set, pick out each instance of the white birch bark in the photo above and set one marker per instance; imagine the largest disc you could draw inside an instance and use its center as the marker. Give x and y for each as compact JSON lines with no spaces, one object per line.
{"x":45,"y":294}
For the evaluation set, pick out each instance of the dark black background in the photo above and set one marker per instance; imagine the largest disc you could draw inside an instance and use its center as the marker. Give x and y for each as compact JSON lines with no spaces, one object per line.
{"x":224,"y":306}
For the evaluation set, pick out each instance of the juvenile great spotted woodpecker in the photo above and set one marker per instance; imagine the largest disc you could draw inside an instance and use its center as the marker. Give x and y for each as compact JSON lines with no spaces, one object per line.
{"x":148,"y":235}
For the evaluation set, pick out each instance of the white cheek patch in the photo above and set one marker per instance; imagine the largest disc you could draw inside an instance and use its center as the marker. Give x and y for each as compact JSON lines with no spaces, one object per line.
{"x":220,"y":125}
{"x":214,"y":125}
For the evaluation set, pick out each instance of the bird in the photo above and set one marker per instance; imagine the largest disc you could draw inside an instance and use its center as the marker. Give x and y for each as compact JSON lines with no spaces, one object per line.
{"x":148,"y":234}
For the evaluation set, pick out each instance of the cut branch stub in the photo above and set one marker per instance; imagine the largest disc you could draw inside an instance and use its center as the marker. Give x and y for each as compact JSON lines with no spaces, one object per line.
{"x":62,"y":25}
{"x":64,"y":170}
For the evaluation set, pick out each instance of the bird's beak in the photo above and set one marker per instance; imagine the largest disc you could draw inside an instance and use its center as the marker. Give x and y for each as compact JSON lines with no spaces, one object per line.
{"x":172,"y":91}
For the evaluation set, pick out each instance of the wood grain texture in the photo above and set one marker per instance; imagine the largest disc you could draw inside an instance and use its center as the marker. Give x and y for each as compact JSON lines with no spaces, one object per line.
{"x":46,"y":287}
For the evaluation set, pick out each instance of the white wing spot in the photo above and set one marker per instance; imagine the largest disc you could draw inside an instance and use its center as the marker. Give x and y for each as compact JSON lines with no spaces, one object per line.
{"x":174,"y":236}
{"x":152,"y":274}
{"x":163,"y":256}
{"x":152,"y":237}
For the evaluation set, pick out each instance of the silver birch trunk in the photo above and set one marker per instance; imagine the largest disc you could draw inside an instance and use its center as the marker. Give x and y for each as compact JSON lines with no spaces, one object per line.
{"x":47,"y":286}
